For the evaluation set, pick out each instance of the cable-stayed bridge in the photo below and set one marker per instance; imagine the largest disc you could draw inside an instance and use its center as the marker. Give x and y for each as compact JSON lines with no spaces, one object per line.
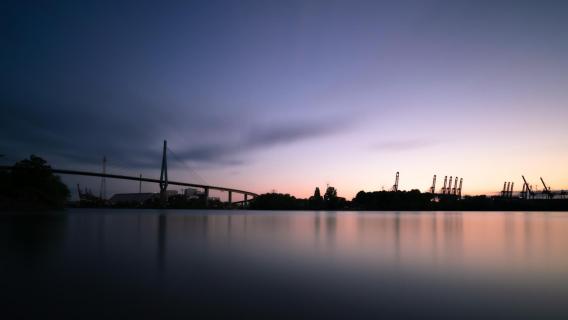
{"x":163,"y":181}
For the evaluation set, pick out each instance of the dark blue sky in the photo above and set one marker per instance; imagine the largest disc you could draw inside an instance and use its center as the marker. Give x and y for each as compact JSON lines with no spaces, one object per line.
{"x":292,"y":93}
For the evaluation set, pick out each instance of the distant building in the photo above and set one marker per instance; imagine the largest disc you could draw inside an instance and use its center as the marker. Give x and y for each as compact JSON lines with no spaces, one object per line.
{"x":171,"y":193}
{"x":189,"y":192}
{"x":125,"y":198}
{"x":192,"y":193}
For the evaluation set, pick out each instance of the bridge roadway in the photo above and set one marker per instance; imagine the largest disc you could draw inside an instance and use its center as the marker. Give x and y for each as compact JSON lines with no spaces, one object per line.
{"x":117,"y":176}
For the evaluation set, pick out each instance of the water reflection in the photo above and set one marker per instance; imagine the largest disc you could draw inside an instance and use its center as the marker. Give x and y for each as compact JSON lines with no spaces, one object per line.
{"x":193,"y":258}
{"x":466,"y":240}
{"x":469,"y":241}
{"x":162,"y":231}
{"x":31,"y":238}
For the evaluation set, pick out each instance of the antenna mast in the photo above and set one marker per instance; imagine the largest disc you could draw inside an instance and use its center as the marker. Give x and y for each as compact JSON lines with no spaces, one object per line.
{"x":102,"y":194}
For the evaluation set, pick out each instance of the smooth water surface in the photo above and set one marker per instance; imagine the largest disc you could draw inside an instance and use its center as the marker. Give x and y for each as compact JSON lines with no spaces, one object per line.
{"x":105,"y":263}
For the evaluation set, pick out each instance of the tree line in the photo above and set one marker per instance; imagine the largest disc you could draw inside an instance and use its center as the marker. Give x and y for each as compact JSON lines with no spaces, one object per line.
{"x":412,"y":200}
{"x":376,"y":200}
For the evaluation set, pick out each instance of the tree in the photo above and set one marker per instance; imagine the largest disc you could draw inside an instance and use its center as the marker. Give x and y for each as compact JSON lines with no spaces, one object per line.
{"x":31,"y":184}
{"x":330,"y":198}
{"x":390,"y":200}
{"x":330,"y":194}
{"x":317,"y":193}
{"x":316,"y":201}
{"x":277,"y":201}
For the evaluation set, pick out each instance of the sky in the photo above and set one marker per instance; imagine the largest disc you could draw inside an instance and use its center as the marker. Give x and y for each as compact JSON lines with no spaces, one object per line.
{"x":289,"y":95}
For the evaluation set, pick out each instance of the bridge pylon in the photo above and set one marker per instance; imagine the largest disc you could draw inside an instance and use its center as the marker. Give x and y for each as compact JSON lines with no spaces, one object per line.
{"x":164,"y":176}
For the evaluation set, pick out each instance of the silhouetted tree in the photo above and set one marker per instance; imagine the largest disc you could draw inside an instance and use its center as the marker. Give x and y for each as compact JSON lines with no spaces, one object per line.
{"x":330,"y":194}
{"x":31,"y":184}
{"x":316,"y":201}
{"x":331,"y":200}
{"x":387,"y":200}
{"x":278,"y":201}
{"x":317,"y":193}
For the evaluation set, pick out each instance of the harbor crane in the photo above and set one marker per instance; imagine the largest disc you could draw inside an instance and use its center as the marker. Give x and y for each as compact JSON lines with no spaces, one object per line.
{"x":433,"y":187}
{"x":395,"y":186}
{"x":546,"y":189}
{"x":527,"y":189}
{"x":445,"y":183}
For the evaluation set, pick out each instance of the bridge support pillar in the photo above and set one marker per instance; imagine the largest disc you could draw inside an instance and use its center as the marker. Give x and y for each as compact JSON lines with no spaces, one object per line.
{"x":164,"y":177}
{"x":206,"y":196}
{"x":230,"y":198}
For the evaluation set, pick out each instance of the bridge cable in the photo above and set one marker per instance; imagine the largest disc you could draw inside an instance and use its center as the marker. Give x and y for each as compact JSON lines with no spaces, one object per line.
{"x":192,"y":171}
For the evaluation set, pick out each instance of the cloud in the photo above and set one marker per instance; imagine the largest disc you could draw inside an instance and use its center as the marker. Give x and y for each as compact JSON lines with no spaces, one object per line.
{"x":403,"y":144}
{"x":79,"y":134}
{"x":263,"y":137}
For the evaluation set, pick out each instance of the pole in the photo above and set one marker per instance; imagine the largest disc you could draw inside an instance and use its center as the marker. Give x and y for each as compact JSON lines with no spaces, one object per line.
{"x":102,"y":193}
{"x":206,"y":194}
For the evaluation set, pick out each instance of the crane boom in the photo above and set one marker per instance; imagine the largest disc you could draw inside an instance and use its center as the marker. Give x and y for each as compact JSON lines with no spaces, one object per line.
{"x":546,"y":189}
{"x":528,"y":187}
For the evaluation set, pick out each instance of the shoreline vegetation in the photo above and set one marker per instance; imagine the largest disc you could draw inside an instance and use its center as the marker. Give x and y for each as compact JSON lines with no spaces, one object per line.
{"x":413,"y":200}
{"x":31,"y":186}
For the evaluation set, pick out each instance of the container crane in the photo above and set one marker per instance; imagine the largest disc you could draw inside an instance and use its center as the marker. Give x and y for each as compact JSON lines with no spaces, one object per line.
{"x":455,"y":189}
{"x":511,"y":190}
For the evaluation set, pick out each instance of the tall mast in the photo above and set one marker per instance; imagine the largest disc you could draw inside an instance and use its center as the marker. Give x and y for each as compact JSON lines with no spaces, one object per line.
{"x":102,"y":193}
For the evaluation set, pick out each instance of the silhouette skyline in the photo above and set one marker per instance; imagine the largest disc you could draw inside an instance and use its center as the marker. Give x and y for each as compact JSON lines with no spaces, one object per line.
{"x":290,"y":95}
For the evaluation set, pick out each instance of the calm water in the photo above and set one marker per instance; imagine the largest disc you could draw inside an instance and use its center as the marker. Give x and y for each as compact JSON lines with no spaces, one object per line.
{"x":239,"y":264}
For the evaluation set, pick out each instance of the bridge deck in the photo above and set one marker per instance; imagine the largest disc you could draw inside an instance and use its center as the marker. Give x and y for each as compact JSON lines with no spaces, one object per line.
{"x":123,"y":177}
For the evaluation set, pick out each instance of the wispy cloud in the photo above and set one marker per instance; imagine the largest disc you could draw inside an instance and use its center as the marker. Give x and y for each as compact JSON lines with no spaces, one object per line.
{"x":81,"y":136}
{"x":263,"y":137}
{"x":403,"y":144}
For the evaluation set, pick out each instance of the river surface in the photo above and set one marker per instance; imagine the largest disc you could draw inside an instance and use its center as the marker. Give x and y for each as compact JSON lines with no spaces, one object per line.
{"x":157,"y":264}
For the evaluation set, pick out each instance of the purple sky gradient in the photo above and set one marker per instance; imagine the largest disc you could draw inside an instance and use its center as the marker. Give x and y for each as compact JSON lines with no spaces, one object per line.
{"x":290,"y":95}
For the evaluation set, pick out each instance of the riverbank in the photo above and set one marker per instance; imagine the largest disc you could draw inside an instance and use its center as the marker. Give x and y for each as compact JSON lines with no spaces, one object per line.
{"x":484,"y":204}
